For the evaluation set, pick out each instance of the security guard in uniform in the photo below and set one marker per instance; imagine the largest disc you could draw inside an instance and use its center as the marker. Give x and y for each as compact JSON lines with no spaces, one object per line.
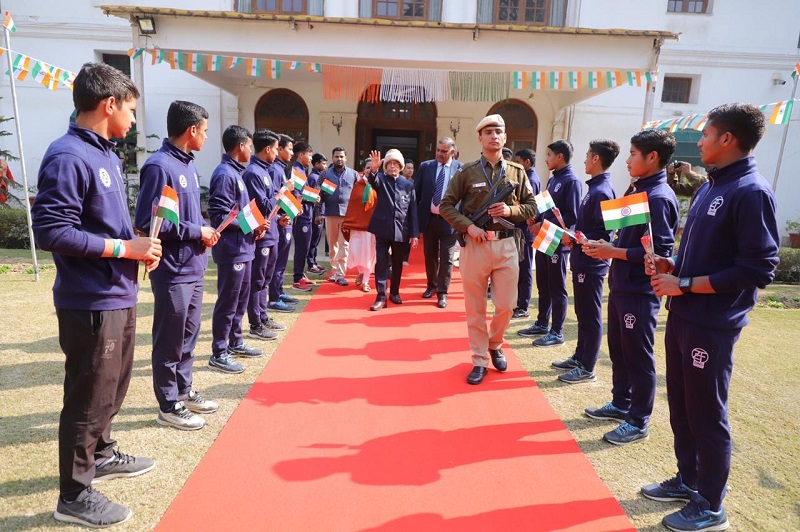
{"x":489,"y":253}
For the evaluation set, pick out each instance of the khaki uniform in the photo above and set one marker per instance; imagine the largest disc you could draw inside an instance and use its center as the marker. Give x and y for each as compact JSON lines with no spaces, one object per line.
{"x":494,"y":259}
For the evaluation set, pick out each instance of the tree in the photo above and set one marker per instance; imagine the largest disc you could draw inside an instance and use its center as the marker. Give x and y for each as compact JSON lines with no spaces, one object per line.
{"x":6,"y":180}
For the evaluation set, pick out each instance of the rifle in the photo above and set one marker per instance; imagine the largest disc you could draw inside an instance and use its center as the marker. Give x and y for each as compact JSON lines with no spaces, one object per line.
{"x":481,"y":217}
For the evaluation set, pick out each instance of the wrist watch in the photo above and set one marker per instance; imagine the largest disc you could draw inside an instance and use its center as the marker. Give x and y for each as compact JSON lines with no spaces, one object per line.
{"x":685,"y":284}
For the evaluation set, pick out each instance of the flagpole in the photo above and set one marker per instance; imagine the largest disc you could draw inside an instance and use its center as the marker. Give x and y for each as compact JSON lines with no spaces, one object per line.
{"x":22,"y":154}
{"x":783,"y":139}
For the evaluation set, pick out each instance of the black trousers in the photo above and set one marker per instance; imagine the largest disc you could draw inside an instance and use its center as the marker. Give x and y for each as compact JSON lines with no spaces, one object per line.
{"x":551,"y":282}
{"x":98,"y":346}
{"x":382,"y":247}
{"x":439,"y":244}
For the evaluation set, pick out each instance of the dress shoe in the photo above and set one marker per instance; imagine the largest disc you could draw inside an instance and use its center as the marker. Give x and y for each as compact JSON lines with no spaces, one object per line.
{"x":427,"y":294}
{"x":476,"y":375}
{"x":498,"y":359}
{"x":395,"y":298}
{"x":379,"y":304}
{"x":442,"y":301}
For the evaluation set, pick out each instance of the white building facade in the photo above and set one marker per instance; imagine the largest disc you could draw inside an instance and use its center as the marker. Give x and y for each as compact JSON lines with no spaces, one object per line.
{"x":726,"y":51}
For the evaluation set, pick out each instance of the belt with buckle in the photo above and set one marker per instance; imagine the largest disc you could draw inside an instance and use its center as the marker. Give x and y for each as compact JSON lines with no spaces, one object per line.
{"x":499,"y":235}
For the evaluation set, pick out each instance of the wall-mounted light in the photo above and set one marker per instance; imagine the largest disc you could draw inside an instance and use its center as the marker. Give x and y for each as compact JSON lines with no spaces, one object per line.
{"x":454,"y":129}
{"x":147,"y":26}
{"x":336,"y":124}
{"x":293,"y":25}
{"x":475,"y":34}
{"x":777,"y":79}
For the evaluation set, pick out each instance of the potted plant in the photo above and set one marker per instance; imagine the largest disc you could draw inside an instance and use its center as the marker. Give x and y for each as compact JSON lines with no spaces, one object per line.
{"x":793,"y":228}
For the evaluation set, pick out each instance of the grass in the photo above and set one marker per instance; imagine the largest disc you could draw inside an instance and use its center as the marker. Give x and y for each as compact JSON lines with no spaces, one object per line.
{"x":764,"y":482}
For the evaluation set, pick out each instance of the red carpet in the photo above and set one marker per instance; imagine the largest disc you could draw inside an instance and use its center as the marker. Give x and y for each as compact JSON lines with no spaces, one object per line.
{"x":363,"y":421}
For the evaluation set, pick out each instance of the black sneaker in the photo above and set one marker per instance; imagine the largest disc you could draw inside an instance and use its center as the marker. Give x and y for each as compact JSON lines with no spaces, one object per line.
{"x":697,"y":516}
{"x":626,"y":434}
{"x":566,"y":364}
{"x":533,"y":330}
{"x":549,"y":340}
{"x":261,"y":332}
{"x":672,"y":489}
{"x":225,"y":363}
{"x":92,"y":509}
{"x":520,"y":313}
{"x":123,"y":465}
{"x":577,"y":375}
{"x":607,"y":411}
{"x":243,"y":350}
{"x":273,"y":325}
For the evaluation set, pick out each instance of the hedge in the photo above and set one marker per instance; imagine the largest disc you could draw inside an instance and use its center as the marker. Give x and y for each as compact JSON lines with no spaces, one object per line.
{"x":14,"y":229}
{"x":788,"y":271}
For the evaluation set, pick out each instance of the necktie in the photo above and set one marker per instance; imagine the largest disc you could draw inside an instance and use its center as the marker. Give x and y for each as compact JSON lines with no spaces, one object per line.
{"x":439,"y":188}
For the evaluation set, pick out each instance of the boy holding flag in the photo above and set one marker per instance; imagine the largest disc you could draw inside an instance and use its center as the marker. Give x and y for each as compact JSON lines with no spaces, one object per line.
{"x":712,"y":285}
{"x":301,"y":225}
{"x":632,"y":304}
{"x":178,"y":284}
{"x":588,"y":274}
{"x":234,"y":252}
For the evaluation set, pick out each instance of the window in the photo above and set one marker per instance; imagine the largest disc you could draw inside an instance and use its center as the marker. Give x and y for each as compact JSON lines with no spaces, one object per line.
{"x":280,"y":7}
{"x":676,"y":90}
{"x":119,"y":61}
{"x":402,"y":9}
{"x":521,"y":124}
{"x":283,"y":111}
{"x":687,"y":6}
{"x":530,"y":12}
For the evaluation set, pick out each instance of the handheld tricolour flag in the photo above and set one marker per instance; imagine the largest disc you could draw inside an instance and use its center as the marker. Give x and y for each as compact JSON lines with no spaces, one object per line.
{"x":548,"y":238}
{"x":311,"y":194}
{"x":626,"y":211}
{"x":290,"y":205}
{"x":168,"y":205}
{"x":250,"y":218}
{"x":228,"y":219}
{"x":298,"y":179}
{"x":328,"y":187}
{"x":544,"y":202}
{"x":9,"y":23}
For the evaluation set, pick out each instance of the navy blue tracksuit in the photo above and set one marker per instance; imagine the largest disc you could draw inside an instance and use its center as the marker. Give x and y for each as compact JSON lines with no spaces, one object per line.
{"x":525,"y":282}
{"x":632,"y":305}
{"x":394,"y":223}
{"x":314,"y":181}
{"x":731,"y":236}
{"x":178,"y":282}
{"x":301,"y":229}
{"x":258,"y":181}
{"x":551,"y":272}
{"x":233,"y":255}
{"x":275,"y":286}
{"x":588,"y":274}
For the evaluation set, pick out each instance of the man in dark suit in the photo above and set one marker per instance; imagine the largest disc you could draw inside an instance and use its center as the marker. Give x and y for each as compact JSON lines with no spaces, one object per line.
{"x":394,"y":223}
{"x":439,"y":240}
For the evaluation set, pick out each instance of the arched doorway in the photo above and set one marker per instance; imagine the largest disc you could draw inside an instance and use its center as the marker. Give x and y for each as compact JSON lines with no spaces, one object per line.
{"x":283,"y":111}
{"x":408,"y":127}
{"x":522,"y":127}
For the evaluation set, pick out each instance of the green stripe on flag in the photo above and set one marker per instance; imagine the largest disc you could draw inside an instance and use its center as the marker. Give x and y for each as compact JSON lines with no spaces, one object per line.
{"x":626,"y":221}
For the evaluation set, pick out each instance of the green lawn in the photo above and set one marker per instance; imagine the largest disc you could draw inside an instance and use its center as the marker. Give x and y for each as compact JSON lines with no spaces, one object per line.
{"x":764,"y":484}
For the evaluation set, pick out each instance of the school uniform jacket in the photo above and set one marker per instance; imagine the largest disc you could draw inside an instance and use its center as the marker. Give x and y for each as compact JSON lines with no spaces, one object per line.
{"x":227,"y":190}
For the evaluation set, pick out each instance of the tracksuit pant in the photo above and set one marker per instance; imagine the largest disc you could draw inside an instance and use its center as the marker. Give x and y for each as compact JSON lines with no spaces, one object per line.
{"x":233,"y":291}
{"x":551,"y":282}
{"x":587,"y":291}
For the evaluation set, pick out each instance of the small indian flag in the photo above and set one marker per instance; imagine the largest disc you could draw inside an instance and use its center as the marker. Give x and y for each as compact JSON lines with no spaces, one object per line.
{"x":626,"y":211}
{"x":273,"y":69}
{"x":290,"y":205}
{"x":328,"y":187}
{"x":544,"y":202}
{"x":250,"y":218}
{"x":294,"y":65}
{"x":196,"y":62}
{"x":548,"y":238}
{"x":298,"y":178}
{"x":311,"y":194}
{"x":9,"y":23}
{"x":517,"y":80}
{"x":572,"y":80}
{"x":253,"y":67}
{"x":314,"y":67}
{"x":38,"y":71}
{"x":651,"y":76}
{"x":796,"y":71}
{"x":782,"y":112}
{"x":592,"y":80}
{"x":168,"y":205}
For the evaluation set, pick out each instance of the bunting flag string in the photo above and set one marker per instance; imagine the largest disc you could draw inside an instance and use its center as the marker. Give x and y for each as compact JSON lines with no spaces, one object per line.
{"x":579,"y":79}
{"x":778,"y":113}
{"x":49,"y":76}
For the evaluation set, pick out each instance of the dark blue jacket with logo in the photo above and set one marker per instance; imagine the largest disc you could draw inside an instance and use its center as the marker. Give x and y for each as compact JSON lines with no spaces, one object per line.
{"x":590,"y":223}
{"x":732,"y":236}
{"x":258,"y":180}
{"x":305,"y":217}
{"x":565,"y":190}
{"x":395,"y":214}
{"x":227,"y":190}
{"x":627,"y":276}
{"x":184,"y":257}
{"x":81,"y":202}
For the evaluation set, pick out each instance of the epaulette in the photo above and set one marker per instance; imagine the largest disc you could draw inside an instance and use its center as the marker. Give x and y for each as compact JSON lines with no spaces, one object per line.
{"x":515,"y":165}
{"x":470,"y":164}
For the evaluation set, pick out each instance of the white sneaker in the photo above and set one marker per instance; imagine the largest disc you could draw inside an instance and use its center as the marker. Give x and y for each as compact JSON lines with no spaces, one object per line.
{"x":197,"y":403}
{"x":180,"y":418}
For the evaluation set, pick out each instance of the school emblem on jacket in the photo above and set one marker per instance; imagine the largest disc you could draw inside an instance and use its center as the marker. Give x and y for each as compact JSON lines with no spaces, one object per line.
{"x":241,"y":185}
{"x":557,"y":187}
{"x":182,"y":181}
{"x":716,"y":204}
{"x":105,"y":177}
{"x":265,"y":252}
{"x":699,"y":357}
{"x":554,"y":258}
{"x":239,"y":266}
{"x":305,"y":229}
{"x":630,"y":320}
{"x":581,"y":278}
